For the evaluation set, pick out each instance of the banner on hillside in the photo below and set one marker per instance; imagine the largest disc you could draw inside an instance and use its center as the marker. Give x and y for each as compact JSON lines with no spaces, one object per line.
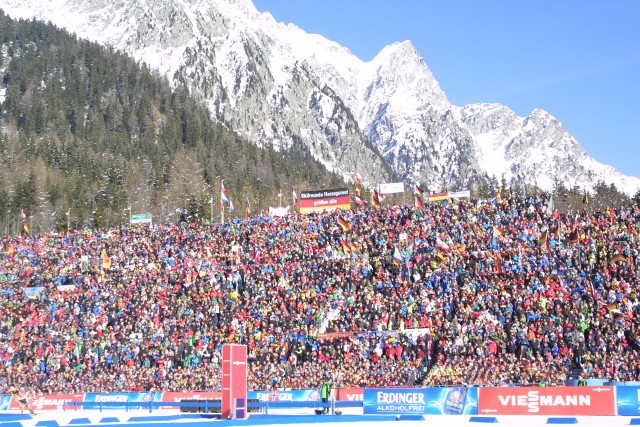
{"x":391,"y":188}
{"x":547,"y":400}
{"x":144,"y":218}
{"x":439,"y":196}
{"x":425,"y":401}
{"x":459,"y":194}
{"x":279,"y":211}
{"x":324,"y":200}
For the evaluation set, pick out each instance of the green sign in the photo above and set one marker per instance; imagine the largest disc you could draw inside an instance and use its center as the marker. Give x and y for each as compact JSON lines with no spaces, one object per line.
{"x":141,"y":218}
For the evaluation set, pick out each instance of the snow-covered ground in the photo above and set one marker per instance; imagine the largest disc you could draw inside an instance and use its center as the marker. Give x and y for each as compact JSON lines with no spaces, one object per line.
{"x":303,"y":416}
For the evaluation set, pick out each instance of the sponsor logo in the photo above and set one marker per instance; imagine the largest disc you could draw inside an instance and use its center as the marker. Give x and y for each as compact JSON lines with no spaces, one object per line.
{"x":111,"y":398}
{"x":404,"y":398}
{"x":533,"y":400}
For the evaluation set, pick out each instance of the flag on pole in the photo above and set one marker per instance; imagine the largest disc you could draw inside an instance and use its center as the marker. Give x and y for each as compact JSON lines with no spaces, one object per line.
{"x":573,"y":237}
{"x":358,"y":179}
{"x":295,"y":199}
{"x":585,"y":198}
{"x":418,"y":191}
{"x":344,"y":224}
{"x":397,"y":257}
{"x":550,"y":206}
{"x":231,"y":208}
{"x":248,"y":209}
{"x":544,"y":241}
{"x":25,"y":222}
{"x":106,"y":260}
{"x":419,"y":206}
{"x":360,"y":200}
{"x":223,"y":193}
{"x":375,"y":199}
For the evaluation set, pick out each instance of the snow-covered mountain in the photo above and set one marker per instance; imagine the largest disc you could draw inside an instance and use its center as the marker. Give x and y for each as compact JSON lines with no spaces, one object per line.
{"x":385,"y":119}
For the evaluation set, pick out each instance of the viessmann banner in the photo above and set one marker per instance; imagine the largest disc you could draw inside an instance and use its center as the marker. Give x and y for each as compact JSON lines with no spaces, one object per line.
{"x":324,"y":200}
{"x":547,"y":400}
{"x":423,"y":401}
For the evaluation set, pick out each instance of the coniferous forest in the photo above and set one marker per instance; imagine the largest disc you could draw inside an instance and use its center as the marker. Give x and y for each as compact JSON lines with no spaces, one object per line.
{"x":90,"y":136}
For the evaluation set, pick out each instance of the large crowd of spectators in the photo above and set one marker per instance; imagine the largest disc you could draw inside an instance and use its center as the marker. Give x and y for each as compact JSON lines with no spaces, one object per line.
{"x":469,"y":292}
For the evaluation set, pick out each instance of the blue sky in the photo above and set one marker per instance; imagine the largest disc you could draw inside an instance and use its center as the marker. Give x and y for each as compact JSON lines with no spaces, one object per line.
{"x":577,"y":59}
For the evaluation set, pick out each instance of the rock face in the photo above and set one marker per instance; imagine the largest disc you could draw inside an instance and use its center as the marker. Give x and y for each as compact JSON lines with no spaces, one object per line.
{"x":386,"y":119}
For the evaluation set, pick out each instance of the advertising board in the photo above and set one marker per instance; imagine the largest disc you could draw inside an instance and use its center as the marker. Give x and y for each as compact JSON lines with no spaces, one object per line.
{"x":546,"y":400}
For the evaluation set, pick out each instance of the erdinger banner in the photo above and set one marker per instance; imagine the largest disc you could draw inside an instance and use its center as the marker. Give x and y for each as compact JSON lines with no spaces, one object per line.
{"x":424,"y":401}
{"x":628,"y":400}
{"x":312,"y":395}
{"x":324,"y":200}
{"x":547,"y":400}
{"x":50,"y":401}
{"x":113,"y":399}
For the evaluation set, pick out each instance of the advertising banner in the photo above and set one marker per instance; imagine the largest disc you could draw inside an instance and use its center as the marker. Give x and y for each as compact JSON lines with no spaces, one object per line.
{"x":144,"y":218}
{"x":179,"y":396}
{"x":547,"y":400}
{"x":459,"y":194}
{"x":425,"y":401}
{"x":350,"y":394}
{"x":391,"y":188}
{"x":439,"y":196}
{"x":628,"y":398}
{"x":5,"y":401}
{"x":49,"y":401}
{"x":285,"y":396}
{"x":112,"y":399}
{"x":324,"y":200}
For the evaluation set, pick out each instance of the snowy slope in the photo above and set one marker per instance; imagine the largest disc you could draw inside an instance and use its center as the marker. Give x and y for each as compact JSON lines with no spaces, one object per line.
{"x":386,"y":118}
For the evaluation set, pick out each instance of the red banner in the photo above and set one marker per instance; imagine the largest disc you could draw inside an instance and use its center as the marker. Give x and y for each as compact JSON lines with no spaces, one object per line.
{"x":49,"y":401}
{"x":351,"y":394}
{"x":546,"y":401}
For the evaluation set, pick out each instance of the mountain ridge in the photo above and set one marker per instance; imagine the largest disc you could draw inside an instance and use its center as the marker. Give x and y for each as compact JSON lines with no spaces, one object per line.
{"x":386,"y":118}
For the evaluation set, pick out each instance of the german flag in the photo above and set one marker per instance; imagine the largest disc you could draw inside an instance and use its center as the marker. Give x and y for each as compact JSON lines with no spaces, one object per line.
{"x":419,"y":206}
{"x":375,"y":199}
{"x":498,"y":262}
{"x":544,"y":240}
{"x":106,"y":260}
{"x":344,"y":225}
{"x":418,"y":191}
{"x":618,"y":258}
{"x":573,"y":237}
